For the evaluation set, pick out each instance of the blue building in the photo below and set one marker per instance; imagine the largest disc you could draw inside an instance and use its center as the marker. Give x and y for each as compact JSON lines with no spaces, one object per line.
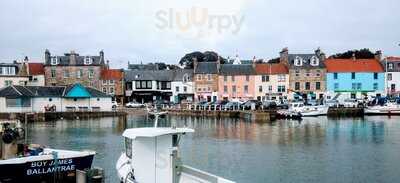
{"x":354,"y":78}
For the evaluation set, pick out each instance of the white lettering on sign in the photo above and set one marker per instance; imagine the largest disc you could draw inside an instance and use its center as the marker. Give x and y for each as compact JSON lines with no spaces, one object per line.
{"x":44,"y":167}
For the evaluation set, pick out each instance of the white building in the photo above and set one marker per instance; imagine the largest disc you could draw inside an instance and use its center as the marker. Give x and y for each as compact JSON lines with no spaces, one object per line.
{"x":182,"y":86}
{"x":15,"y":99}
{"x":392,"y":68}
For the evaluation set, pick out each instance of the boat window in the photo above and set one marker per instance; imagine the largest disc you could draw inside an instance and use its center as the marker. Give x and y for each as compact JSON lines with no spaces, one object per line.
{"x":175,"y":140}
{"x":128,"y":147}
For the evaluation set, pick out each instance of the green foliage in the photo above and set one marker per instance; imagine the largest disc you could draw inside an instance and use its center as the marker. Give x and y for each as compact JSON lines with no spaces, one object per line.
{"x":208,"y":56}
{"x":359,"y":54}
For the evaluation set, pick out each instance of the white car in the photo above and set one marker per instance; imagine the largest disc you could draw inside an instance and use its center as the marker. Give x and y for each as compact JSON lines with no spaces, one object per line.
{"x":114,"y":104}
{"x":134,"y":105}
{"x":350,"y":103}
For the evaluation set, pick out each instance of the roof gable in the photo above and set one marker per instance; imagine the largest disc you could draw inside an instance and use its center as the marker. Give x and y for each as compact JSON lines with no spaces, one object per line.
{"x":77,"y":91}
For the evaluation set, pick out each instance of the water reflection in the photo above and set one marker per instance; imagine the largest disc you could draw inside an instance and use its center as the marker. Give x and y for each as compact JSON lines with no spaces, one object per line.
{"x":312,"y":150}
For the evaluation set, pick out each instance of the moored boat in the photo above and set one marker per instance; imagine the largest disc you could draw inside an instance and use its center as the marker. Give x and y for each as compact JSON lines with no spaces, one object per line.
{"x":386,"y":109}
{"x":36,"y":163}
{"x":308,"y":110}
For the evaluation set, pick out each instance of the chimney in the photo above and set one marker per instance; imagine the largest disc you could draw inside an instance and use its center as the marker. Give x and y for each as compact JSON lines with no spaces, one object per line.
{"x":108,"y":64}
{"x":47,"y":56}
{"x":284,"y":56}
{"x":378,"y":55}
{"x":254,"y":62}
{"x":101,"y":57}
{"x":218,"y":63}
{"x":72,"y":58}
{"x":353,"y":57}
{"x":26,"y":59}
{"x":195,"y":63}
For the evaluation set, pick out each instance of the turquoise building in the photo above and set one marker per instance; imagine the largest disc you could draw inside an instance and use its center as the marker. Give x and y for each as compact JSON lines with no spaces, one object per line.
{"x":354,"y":78}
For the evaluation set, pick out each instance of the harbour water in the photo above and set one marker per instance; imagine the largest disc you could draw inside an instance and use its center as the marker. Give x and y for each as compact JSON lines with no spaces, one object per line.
{"x":313,"y":150}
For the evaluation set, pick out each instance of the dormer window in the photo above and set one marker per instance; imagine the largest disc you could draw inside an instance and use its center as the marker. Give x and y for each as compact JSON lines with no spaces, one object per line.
{"x":314,"y":61}
{"x":298,"y":61}
{"x":54,"y":60}
{"x":185,"y":78}
{"x":88,"y":60}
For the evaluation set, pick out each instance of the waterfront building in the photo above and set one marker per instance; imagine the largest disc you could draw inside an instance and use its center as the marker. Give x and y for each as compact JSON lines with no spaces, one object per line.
{"x":236,"y":81}
{"x":73,"y":68}
{"x":392,"y":67}
{"x":182,"y":86}
{"x":271,"y":81}
{"x":354,"y":78}
{"x":35,"y":72}
{"x":112,"y":83}
{"x":16,"y":99}
{"x":11,"y":74}
{"x":306,"y":74}
{"x":206,"y":81}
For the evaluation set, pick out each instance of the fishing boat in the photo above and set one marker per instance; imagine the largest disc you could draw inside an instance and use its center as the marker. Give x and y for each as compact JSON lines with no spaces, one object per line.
{"x":21,"y":162}
{"x":308,"y":110}
{"x":389,"y":108}
{"x":152,"y":155}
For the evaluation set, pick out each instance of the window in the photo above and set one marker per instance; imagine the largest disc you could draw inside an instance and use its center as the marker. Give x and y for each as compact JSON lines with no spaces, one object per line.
{"x":246,"y":89}
{"x":270,"y":88}
{"x":354,"y":86}
{"x":318,"y":73}
{"x":389,"y":76}
{"x":199,"y":77}
{"x":281,"y":89}
{"x":281,"y":78}
{"x":79,"y":73}
{"x":143,"y":85}
{"x":8,"y":82}
{"x":247,"y":78}
{"x":297,"y":86}
{"x":297,"y":73}
{"x":91,"y":73}
{"x":336,"y":86}
{"x":225,"y":89}
{"x":66,"y":74}
{"x":298,"y":61}
{"x":111,"y":90}
{"x":359,"y":86}
{"x":53,"y":73}
{"x":225,"y":78}
{"x":335,"y":75}
{"x":88,"y":60}
{"x":375,"y":86}
{"x":185,"y":89}
{"x":308,"y":73}
{"x":307,"y":86}
{"x":390,"y":66}
{"x":265,"y":78}
{"x":104,"y":90}
{"x":165,"y":85}
{"x":128,"y":147}
{"x":233,"y":89}
{"x":393,"y":87}
{"x":104,"y":82}
{"x":75,"y":99}
{"x":18,"y":102}
{"x":54,"y":60}
{"x":177,"y":89}
{"x":50,"y":99}
{"x":209,"y":77}
{"x":375,"y":75}
{"x":353,"y":75}
{"x":318,"y":85}
{"x":260,"y":89}
{"x":233,"y":78}
{"x":98,"y":99}
{"x":314,"y":61}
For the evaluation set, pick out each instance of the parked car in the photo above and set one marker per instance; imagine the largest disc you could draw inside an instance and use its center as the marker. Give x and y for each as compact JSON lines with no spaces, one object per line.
{"x":269,"y":105}
{"x":114,"y":104}
{"x":231,"y":106}
{"x":332,"y":103}
{"x":250,"y":103}
{"x":351,"y":103}
{"x":134,"y":105}
{"x":218,"y":104}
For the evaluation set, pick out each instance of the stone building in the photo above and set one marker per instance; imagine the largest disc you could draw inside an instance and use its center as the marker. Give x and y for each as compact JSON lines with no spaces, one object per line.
{"x":206,"y":81}
{"x":72,"y":68}
{"x":112,"y":83}
{"x":306,"y":74}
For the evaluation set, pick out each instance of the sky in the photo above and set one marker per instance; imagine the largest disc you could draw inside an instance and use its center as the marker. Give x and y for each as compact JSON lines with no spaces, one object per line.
{"x":164,"y":30}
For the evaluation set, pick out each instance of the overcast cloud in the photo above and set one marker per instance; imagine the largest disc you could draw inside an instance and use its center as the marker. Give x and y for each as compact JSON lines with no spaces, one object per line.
{"x":129,"y":30}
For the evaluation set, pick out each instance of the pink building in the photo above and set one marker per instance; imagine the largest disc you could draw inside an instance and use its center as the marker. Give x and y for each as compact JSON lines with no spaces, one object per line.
{"x":236,"y":82}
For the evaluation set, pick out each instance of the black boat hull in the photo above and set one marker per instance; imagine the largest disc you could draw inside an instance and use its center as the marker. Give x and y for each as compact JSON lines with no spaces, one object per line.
{"x":45,"y":171}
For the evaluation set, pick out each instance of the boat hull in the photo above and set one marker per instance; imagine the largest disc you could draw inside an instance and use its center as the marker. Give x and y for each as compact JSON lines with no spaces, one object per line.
{"x":45,"y":171}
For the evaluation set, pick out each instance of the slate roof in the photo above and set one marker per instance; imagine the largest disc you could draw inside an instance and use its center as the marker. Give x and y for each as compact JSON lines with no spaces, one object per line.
{"x":206,"y":68}
{"x":241,"y":69}
{"x":16,"y":91}
{"x":150,"y":66}
{"x":180,"y":73}
{"x":350,"y":65}
{"x":80,"y":60}
{"x":306,"y":61}
{"x":271,"y":69}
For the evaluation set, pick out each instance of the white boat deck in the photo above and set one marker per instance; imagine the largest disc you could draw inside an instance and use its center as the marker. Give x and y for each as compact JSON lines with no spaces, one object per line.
{"x":192,"y":175}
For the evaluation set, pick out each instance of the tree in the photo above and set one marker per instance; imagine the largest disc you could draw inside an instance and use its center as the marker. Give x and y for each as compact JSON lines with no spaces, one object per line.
{"x":359,"y":54}
{"x":208,"y":56}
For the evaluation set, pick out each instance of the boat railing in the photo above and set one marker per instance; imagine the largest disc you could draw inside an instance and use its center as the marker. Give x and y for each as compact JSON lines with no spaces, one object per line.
{"x":204,"y":176}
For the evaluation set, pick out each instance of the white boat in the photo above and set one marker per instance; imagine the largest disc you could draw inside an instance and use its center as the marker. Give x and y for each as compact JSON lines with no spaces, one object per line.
{"x":388,"y":108}
{"x":308,"y":111}
{"x":152,"y":156}
{"x":35,"y":163}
